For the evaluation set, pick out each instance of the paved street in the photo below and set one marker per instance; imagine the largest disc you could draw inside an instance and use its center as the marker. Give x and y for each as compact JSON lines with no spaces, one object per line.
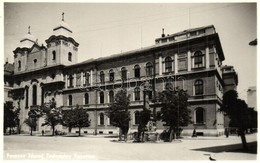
{"x":100,"y":148}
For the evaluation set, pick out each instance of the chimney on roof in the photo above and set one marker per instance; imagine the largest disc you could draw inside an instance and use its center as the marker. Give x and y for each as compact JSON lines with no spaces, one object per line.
{"x":163,"y":35}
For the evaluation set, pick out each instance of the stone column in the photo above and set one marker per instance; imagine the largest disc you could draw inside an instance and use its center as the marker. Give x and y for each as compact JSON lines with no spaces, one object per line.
{"x":189,"y":60}
{"x":81,"y":79}
{"x":66,"y":81}
{"x":91,"y":77}
{"x":163,"y":66}
{"x":207,"y":57}
{"x":61,"y":77}
{"x":176,"y":62}
{"x":74,"y":80}
{"x":108,"y":99}
{"x":160,"y":65}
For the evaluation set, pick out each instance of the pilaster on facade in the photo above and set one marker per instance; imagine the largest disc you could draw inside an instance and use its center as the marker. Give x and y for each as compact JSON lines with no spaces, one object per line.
{"x":176,"y":63}
{"x":74,"y":80}
{"x":91,"y":77}
{"x":207,"y":56}
{"x":160,"y":65}
{"x":189,"y":60}
{"x":81,"y":79}
{"x":66,"y":81}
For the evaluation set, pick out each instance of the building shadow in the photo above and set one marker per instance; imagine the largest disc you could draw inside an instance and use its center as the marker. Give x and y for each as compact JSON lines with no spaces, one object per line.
{"x":252,"y":148}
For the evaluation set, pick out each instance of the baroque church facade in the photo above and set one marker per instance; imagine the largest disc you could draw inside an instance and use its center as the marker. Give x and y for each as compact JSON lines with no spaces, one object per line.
{"x":190,"y":60}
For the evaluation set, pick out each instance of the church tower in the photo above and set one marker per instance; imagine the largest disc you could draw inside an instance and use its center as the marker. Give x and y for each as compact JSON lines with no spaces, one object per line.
{"x":21,"y":52}
{"x":61,"y":47}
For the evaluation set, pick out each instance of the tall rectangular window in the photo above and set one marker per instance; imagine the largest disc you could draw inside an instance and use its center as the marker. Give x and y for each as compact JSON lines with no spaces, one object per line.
{"x":124,"y":73}
{"x":137,"y":71}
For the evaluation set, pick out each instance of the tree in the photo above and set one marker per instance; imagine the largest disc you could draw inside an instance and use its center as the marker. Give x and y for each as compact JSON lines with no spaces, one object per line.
{"x":68,"y":118}
{"x":77,"y":117}
{"x":52,"y":115}
{"x":33,"y":116}
{"x":11,"y":116}
{"x":119,"y":114}
{"x":240,"y":115}
{"x":144,"y":118}
{"x":174,"y":111}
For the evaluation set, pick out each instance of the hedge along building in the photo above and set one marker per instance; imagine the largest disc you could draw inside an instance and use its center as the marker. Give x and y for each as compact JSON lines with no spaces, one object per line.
{"x":190,"y":60}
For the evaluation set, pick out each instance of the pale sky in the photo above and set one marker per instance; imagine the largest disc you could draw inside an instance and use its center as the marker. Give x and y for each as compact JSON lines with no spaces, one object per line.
{"x":105,"y":29}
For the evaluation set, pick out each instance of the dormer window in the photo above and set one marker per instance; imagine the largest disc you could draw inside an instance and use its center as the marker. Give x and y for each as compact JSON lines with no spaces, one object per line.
{"x":70,"y":56}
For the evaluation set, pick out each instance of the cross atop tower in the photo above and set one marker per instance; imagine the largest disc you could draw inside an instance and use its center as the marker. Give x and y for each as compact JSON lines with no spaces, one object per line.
{"x":62,"y":16}
{"x":29,"y":28}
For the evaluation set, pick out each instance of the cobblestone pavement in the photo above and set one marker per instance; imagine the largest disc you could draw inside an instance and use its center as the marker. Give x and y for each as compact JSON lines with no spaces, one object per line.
{"x":19,"y":147}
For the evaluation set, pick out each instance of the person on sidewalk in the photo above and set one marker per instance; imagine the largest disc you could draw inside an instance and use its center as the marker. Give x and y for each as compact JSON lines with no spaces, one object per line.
{"x":194,"y":134}
{"x":226,"y":132}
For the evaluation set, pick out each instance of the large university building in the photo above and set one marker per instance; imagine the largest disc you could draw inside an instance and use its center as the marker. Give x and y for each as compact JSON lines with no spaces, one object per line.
{"x":189,"y":60}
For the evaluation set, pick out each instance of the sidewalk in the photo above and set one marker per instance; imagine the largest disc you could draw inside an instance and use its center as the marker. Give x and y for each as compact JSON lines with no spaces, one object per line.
{"x":200,"y":148}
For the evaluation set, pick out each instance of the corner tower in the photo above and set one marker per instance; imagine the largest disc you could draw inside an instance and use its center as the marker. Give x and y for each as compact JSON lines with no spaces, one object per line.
{"x":61,"y":47}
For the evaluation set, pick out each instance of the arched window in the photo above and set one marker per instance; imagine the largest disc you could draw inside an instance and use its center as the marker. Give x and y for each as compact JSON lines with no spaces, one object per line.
{"x":198,"y":59}
{"x":124,"y":73}
{"x":111,"y":75}
{"x":70,"y":81}
{"x":101,"y":118}
{"x":70,"y":56}
{"x":137,"y":117}
{"x":137,"y":93}
{"x":168,"y":64}
{"x":19,"y":65}
{"x":198,"y":86}
{"x":34,"y":95}
{"x":86,"y":98}
{"x":70,"y":100}
{"x":101,"y":97}
{"x":149,"y":69}
{"x":53,"y":55}
{"x":102,"y":77}
{"x":111,"y":96}
{"x":35,"y":63}
{"x":199,"y":116}
{"x":137,"y":71}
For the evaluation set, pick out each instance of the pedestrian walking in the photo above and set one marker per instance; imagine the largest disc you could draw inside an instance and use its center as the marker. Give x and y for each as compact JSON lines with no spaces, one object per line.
{"x":226,"y":132}
{"x":42,"y":132}
{"x":194,"y":134}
